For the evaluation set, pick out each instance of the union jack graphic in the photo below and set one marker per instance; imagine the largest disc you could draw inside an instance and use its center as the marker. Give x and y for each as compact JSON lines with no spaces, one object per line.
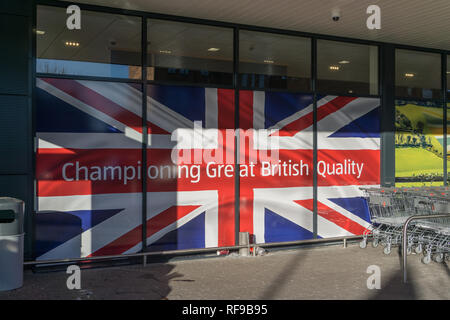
{"x":90,"y":138}
{"x":348,"y":128}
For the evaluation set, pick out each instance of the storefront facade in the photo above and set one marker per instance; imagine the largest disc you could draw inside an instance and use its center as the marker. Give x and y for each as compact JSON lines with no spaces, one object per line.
{"x":150,"y":132}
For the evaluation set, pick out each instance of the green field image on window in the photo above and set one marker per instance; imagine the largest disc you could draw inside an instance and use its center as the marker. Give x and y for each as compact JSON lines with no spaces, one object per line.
{"x":419,"y":144}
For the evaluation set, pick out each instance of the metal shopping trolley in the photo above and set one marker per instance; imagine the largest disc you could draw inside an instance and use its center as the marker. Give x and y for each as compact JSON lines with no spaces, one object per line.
{"x":391,"y":207}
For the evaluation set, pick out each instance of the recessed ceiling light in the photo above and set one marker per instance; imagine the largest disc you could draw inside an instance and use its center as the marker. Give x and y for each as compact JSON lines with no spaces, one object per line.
{"x":165,"y":51}
{"x":40,"y":32}
{"x":409,"y":75}
{"x":72,"y":44}
{"x":268,"y":61}
{"x":344,"y":62}
{"x":213,"y":49}
{"x":334,"y":68}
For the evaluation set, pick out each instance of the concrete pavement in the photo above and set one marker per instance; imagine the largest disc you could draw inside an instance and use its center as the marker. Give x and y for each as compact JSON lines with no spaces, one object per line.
{"x":327,"y":272}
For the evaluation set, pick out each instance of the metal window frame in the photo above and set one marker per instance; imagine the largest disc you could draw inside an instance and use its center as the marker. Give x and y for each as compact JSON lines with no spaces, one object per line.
{"x":444,"y":68}
{"x":235,"y":85}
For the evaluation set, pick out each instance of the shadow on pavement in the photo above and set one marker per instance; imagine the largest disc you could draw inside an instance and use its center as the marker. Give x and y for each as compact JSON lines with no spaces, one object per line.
{"x":283,"y":277}
{"x":394,"y":288}
{"x":124,"y":282}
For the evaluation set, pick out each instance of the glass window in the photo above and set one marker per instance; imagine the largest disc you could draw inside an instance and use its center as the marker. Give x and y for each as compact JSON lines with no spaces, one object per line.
{"x":417,"y":74}
{"x":419,"y":143}
{"x":189,"y":53}
{"x":107,"y":45}
{"x":79,"y":151}
{"x":273,"y":61}
{"x":347,"y":68}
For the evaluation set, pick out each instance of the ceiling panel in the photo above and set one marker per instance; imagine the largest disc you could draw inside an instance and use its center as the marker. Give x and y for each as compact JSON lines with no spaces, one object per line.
{"x":410,"y":22}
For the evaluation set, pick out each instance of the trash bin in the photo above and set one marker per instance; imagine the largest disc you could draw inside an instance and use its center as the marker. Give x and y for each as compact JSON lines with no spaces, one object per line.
{"x":11,"y":243}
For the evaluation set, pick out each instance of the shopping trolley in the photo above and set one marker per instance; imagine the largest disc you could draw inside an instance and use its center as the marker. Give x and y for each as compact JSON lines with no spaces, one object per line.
{"x":390,"y":208}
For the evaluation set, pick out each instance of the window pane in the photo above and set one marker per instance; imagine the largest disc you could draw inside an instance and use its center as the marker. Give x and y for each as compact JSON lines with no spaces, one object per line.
{"x":107,"y":45}
{"x":89,"y":156}
{"x":347,"y":68}
{"x":417,"y":74}
{"x":419,"y":143}
{"x":272,"y":61}
{"x":348,"y":154}
{"x":189,"y":53}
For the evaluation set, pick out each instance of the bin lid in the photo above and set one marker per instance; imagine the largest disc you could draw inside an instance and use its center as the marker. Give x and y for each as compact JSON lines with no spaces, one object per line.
{"x":11,"y":216}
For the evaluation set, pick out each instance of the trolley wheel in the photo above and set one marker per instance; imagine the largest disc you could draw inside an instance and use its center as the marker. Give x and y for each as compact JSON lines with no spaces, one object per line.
{"x":426,"y":259}
{"x":439,"y":257}
{"x":387,"y":250}
{"x":363,"y":244}
{"x":375,"y":243}
{"x":418,"y":249}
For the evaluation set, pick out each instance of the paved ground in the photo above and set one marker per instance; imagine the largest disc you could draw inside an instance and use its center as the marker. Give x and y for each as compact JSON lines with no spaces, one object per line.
{"x":330,"y":272}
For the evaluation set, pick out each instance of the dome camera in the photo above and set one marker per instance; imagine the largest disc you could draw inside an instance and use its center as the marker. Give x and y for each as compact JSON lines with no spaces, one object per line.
{"x":335,"y":14}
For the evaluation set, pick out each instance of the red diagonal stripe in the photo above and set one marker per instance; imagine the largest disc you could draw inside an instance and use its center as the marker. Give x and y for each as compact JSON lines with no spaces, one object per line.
{"x":103,"y":104}
{"x":133,"y":237}
{"x":307,"y":120}
{"x":333,"y":216}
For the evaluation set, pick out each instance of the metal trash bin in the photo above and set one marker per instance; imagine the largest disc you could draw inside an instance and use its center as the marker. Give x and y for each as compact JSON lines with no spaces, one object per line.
{"x":11,"y":243}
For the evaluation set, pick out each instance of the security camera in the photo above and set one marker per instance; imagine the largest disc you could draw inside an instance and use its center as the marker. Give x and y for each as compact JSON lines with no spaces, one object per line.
{"x":335,"y":14}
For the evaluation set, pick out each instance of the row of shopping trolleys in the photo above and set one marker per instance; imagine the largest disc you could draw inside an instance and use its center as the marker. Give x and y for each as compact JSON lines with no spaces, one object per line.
{"x":390,"y":208}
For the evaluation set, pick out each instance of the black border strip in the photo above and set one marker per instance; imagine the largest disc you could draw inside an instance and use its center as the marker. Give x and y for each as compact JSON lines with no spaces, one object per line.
{"x":32,"y":175}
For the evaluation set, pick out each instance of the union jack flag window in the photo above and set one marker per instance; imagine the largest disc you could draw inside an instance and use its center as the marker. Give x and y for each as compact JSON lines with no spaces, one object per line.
{"x":89,"y":166}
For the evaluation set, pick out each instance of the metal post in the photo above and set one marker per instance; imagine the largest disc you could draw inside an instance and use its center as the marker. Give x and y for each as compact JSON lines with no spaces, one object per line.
{"x":244,"y":238}
{"x":236,"y":85}
{"x":405,"y":235}
{"x":387,"y":123}
{"x":315,"y":142}
{"x":144,"y":134}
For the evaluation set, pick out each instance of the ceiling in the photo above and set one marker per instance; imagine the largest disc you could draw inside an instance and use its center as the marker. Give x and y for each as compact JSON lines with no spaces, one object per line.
{"x":113,"y":38}
{"x":409,"y":22}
